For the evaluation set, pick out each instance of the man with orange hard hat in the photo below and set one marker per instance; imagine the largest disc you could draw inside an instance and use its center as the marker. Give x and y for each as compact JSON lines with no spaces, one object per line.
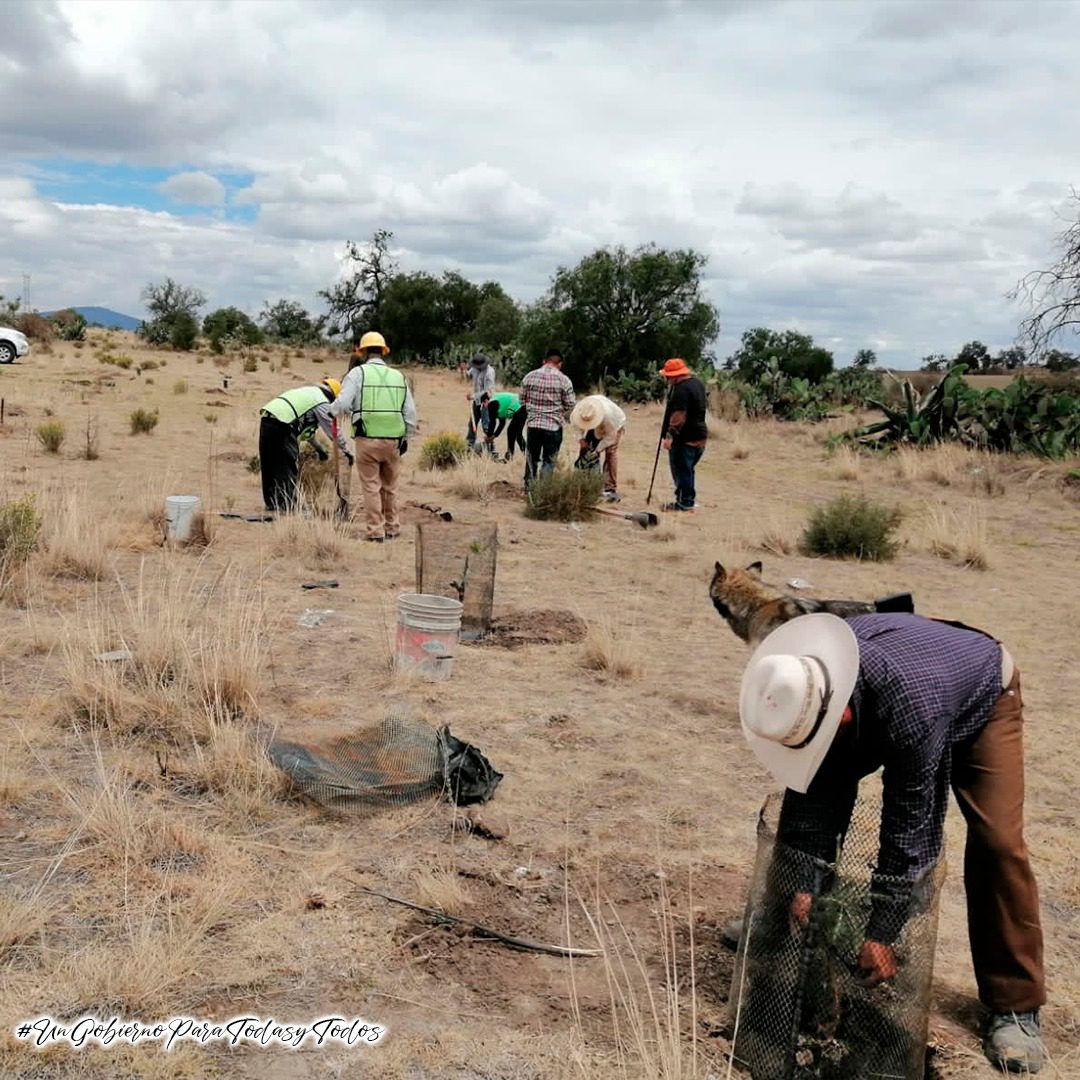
{"x":684,"y":434}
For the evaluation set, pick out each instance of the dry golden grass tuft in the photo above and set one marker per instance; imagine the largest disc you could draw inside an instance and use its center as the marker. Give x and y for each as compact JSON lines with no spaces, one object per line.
{"x":155,"y":961}
{"x":197,"y":648}
{"x":75,"y":543}
{"x":16,"y":781}
{"x":612,"y":650}
{"x":317,"y":541}
{"x":231,"y":763}
{"x":472,"y":477}
{"x":23,"y":917}
{"x":957,"y":534}
{"x":441,"y":888}
{"x":740,"y":449}
{"x":847,"y":464}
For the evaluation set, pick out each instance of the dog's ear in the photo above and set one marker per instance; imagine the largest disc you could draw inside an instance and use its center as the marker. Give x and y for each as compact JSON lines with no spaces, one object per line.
{"x":755,"y":568}
{"x":720,"y":574}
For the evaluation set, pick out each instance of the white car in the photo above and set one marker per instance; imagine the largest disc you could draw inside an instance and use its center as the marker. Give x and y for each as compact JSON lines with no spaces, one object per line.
{"x":12,"y":344}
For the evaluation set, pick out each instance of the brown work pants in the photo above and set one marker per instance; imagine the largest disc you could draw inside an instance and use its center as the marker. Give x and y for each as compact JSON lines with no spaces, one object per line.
{"x":611,"y":463}
{"x":1002,"y":897}
{"x":378,"y":463}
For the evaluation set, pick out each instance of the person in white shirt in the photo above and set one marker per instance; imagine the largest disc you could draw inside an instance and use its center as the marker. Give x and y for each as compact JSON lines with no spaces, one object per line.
{"x":600,"y":424}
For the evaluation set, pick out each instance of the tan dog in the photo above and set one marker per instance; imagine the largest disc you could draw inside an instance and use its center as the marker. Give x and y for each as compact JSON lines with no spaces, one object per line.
{"x":753,"y":610}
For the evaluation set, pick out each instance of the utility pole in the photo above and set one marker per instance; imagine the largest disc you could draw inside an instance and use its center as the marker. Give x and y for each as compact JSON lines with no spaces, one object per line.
{"x":26,"y":292}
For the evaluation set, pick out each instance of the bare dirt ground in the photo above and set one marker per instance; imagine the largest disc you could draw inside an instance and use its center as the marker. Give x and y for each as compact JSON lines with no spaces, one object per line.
{"x":153,"y":866}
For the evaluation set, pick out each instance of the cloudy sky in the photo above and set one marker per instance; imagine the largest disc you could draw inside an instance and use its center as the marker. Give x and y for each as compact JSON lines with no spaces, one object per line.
{"x":877,"y":174}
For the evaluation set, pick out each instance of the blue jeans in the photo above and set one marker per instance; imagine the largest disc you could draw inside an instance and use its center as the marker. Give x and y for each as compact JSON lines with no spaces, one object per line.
{"x":683,"y":461}
{"x":541,"y":449}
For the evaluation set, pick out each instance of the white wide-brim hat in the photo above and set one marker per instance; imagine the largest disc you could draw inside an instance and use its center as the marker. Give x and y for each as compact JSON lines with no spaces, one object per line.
{"x":794,"y":691}
{"x":587,"y":413}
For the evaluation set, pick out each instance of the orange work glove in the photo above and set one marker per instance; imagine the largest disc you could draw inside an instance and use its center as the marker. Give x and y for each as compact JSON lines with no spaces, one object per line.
{"x":799,"y":912}
{"x":877,"y":963}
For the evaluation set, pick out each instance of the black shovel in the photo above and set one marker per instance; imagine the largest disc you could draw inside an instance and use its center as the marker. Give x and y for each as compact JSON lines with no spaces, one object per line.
{"x":646,"y":518}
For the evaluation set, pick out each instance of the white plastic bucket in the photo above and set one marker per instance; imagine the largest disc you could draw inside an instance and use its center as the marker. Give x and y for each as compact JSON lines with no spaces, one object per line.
{"x":180,"y":512}
{"x":427,"y":634}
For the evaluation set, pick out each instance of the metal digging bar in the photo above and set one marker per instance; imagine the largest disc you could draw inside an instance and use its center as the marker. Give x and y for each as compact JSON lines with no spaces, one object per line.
{"x":645,"y":518}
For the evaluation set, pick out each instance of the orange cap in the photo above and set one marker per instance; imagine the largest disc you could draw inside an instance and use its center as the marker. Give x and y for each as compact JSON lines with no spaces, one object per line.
{"x":674,"y":367}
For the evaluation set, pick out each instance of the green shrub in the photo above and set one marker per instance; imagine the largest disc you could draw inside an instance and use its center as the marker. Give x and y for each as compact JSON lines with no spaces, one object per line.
{"x":564,"y":495}
{"x":19,"y":527}
{"x":635,"y":389}
{"x":443,"y":451}
{"x":183,"y":331}
{"x":852,"y":527}
{"x":180,"y":386}
{"x":142,"y":421}
{"x":51,"y":435}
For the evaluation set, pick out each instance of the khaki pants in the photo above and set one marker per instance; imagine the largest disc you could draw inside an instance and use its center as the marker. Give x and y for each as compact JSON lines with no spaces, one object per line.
{"x":378,"y":463}
{"x":611,"y":463}
{"x":1002,"y":897}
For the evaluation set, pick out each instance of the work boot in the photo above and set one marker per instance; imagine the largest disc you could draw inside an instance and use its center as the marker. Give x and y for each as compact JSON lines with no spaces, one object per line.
{"x":1014,"y":1042}
{"x":612,"y":496}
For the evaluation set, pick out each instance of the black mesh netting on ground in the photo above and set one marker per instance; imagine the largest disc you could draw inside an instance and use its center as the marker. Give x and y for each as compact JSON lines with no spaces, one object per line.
{"x":797,"y":1009}
{"x":458,"y":560}
{"x":391,"y":763}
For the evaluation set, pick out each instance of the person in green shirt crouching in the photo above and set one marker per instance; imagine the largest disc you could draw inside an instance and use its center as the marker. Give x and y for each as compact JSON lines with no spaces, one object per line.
{"x":499,"y":411}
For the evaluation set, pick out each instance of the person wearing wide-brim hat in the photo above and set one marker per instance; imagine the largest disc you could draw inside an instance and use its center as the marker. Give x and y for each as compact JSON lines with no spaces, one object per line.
{"x":684,"y":434}
{"x":826,"y":701}
{"x":482,"y":372}
{"x":600,"y":424}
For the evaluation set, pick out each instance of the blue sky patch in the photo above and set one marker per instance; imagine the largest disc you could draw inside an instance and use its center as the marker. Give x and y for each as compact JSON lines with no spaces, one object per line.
{"x":87,"y":182}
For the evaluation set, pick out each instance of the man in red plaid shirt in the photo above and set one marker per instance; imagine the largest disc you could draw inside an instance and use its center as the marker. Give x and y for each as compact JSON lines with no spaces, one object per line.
{"x":548,"y":395}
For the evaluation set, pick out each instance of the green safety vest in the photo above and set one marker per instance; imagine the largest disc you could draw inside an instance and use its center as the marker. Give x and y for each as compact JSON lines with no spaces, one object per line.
{"x":296,"y":407}
{"x":508,"y":404}
{"x":381,"y":412}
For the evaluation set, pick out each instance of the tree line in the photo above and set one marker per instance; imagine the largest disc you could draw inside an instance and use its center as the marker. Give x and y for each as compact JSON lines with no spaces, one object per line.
{"x":613,"y":315}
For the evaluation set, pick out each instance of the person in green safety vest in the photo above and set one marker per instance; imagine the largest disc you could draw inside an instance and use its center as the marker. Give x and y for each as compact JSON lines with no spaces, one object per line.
{"x":497,"y":410}
{"x":286,"y":421}
{"x":383,"y":412}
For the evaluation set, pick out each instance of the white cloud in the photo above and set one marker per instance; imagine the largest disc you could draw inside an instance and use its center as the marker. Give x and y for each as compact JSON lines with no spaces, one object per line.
{"x":194,"y":189}
{"x":871,"y":171}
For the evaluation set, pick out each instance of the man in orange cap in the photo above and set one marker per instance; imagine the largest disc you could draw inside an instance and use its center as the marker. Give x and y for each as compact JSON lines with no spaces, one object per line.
{"x":684,"y":433}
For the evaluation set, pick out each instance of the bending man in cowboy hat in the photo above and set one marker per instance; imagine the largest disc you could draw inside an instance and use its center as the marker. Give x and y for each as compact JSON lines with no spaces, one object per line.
{"x":826,"y":701}
{"x":600,"y":424}
{"x":684,"y":435}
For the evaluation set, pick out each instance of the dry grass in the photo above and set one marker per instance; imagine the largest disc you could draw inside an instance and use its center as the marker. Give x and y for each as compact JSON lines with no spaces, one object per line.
{"x":612,"y":651}
{"x":314,"y":540}
{"x":198,"y":650}
{"x":156,"y":960}
{"x":472,"y":477}
{"x":125,"y":865}
{"x":442,"y":889}
{"x":740,"y":449}
{"x":75,"y":542}
{"x":847,"y":464}
{"x":957,"y":533}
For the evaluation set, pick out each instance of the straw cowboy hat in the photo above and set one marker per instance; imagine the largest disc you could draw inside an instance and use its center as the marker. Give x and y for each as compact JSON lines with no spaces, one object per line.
{"x":588,"y":412}
{"x":793,"y":693}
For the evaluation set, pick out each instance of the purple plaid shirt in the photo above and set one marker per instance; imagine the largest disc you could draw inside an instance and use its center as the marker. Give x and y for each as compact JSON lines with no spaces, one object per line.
{"x":923,"y":688}
{"x":548,"y":395}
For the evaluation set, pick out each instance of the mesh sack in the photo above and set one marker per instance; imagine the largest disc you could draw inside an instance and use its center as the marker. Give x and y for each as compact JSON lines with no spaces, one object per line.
{"x":458,"y":560}
{"x":797,"y":1009}
{"x":393,"y":763}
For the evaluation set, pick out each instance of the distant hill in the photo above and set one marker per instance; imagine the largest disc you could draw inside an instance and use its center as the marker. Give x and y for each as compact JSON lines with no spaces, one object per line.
{"x":103,"y":316}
